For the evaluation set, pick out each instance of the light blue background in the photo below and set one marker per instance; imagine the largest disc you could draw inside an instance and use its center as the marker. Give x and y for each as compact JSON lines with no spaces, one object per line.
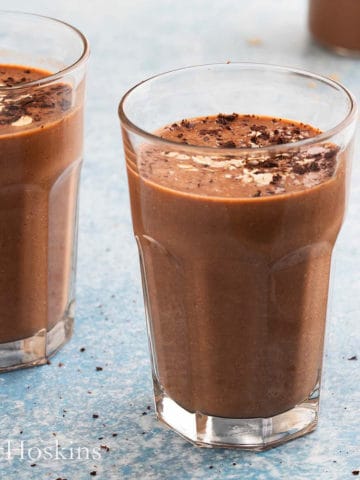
{"x":130,"y":40}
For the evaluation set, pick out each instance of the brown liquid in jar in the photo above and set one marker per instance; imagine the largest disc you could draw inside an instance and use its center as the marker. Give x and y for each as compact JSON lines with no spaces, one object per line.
{"x":336,"y":24}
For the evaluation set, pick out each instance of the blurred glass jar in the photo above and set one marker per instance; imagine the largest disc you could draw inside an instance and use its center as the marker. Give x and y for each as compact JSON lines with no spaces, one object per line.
{"x":336,"y":24}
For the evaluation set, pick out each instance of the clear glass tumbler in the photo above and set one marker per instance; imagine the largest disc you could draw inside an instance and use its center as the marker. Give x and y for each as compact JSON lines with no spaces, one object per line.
{"x":42,"y":80}
{"x":236,"y":289}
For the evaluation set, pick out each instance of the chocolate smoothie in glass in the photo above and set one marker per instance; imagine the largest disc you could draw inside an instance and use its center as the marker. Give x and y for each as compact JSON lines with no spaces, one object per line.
{"x":238,"y":180}
{"x":336,"y":24}
{"x":41,"y":139}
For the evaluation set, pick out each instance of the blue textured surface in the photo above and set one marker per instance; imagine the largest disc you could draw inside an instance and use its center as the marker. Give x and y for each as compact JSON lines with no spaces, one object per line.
{"x":132,"y":39}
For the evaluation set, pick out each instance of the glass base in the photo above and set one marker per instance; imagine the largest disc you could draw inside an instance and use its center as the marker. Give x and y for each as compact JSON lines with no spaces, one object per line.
{"x":342,"y":51}
{"x":255,"y":434}
{"x":36,"y":350}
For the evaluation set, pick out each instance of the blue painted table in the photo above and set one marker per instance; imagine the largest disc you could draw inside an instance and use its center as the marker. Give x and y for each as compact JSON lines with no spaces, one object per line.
{"x":74,"y":404}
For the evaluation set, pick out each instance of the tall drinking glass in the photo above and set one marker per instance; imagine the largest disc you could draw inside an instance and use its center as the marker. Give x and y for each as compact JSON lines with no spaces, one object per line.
{"x":42,"y":79}
{"x":235,"y":285}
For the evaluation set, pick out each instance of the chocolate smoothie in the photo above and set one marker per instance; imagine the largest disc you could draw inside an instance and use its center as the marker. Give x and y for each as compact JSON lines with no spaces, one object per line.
{"x":235,"y":250}
{"x":335,"y":23}
{"x":40,"y":159}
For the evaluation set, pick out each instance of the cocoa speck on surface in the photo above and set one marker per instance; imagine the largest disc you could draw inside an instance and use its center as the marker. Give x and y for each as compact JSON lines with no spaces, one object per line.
{"x":276,"y":179}
{"x":185,"y":123}
{"x":209,"y":131}
{"x":314,"y":167}
{"x":299,"y":169}
{"x":224,"y":119}
{"x":99,"y":369}
{"x":255,"y":41}
{"x":354,"y":357}
{"x":269,"y":164}
{"x":228,"y":144}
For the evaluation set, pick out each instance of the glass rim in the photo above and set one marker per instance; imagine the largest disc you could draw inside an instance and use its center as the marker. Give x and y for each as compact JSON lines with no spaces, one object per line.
{"x":322,"y":137}
{"x":60,"y":73}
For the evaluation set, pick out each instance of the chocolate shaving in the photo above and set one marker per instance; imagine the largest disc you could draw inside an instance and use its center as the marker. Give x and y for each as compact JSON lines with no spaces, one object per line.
{"x":269,"y":164}
{"x":211,"y":132}
{"x":299,"y":169}
{"x":314,"y":167}
{"x":223,"y":119}
{"x":276,"y":179}
{"x":185,"y":123}
{"x":228,"y":144}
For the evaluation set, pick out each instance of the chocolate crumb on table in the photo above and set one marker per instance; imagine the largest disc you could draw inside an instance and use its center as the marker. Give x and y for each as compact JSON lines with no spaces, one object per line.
{"x":255,"y":41}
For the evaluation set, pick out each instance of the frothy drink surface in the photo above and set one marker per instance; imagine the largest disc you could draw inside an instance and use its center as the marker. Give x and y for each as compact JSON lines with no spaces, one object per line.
{"x":235,"y":249}
{"x":40,"y":156}
{"x":253,"y":174}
